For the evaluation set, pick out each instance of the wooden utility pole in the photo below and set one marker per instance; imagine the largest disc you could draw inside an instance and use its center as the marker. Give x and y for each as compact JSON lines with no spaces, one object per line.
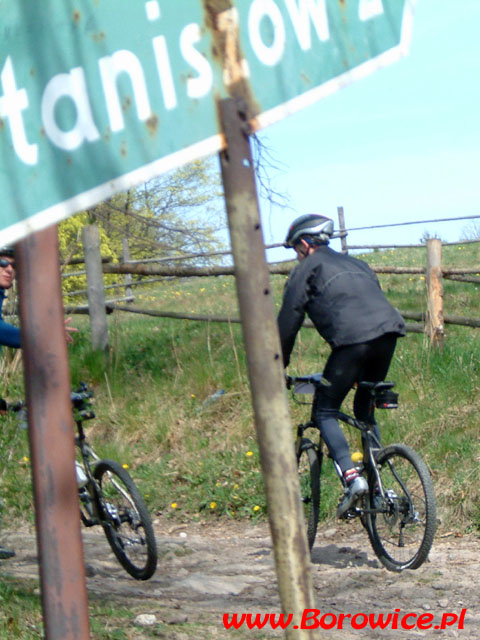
{"x":265,"y":370}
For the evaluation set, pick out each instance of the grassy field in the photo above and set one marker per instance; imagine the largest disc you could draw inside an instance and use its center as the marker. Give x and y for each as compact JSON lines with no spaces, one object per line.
{"x":195,"y":457}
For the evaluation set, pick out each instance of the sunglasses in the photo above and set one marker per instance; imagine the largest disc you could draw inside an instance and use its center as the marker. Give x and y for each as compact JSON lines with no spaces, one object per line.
{"x":6,"y":263}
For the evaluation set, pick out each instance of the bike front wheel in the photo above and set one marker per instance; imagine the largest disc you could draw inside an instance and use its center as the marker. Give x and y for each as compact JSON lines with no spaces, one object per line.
{"x":126,"y":520}
{"x":402,"y":524}
{"x":309,"y":477}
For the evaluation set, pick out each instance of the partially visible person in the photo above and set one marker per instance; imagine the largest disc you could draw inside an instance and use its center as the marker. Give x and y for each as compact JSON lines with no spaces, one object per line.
{"x":342,"y":297}
{"x":10,"y":335}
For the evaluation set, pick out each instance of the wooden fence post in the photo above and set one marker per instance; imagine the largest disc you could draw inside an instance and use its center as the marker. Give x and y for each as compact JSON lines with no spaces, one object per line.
{"x":95,"y":290}
{"x":128,"y":276}
{"x":434,"y":324}
{"x":343,"y":231}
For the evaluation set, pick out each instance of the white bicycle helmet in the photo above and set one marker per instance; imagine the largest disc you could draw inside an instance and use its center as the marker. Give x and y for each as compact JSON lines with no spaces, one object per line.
{"x":318,"y":227}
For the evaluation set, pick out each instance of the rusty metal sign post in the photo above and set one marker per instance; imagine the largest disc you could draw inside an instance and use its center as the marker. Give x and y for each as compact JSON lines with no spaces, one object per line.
{"x":265,"y":369}
{"x":51,"y":435}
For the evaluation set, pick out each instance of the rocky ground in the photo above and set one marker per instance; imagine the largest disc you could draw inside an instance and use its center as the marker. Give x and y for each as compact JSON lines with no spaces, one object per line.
{"x":208,"y":569}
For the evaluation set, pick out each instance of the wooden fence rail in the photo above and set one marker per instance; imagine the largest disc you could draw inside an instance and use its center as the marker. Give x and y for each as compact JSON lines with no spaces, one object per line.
{"x":282,"y":268}
{"x":432,"y":322}
{"x":112,"y":306}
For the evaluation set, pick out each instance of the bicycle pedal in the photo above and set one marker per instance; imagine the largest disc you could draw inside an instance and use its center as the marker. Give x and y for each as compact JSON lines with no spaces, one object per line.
{"x":348,"y":516}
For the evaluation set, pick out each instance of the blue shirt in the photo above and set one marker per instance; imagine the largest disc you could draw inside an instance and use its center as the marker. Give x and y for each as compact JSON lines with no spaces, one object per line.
{"x":9,"y":335}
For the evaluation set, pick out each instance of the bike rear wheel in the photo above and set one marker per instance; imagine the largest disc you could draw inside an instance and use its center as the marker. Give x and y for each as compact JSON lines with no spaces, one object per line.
{"x":309,"y":477}
{"x":403,"y":528}
{"x":126,"y":520}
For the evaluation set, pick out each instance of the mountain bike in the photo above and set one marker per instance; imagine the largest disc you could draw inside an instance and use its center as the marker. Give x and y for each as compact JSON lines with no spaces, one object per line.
{"x":109,"y":497}
{"x":399,"y":510}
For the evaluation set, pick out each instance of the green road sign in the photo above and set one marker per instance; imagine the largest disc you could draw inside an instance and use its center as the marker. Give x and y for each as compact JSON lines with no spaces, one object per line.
{"x":99,"y":95}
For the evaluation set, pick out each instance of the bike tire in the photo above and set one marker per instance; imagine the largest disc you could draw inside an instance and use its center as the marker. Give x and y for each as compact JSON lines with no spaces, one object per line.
{"x":309,"y":477}
{"x":126,"y":520}
{"x":402,"y":533}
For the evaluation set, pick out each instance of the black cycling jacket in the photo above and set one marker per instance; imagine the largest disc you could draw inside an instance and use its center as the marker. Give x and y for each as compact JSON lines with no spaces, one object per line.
{"x":342,"y":297}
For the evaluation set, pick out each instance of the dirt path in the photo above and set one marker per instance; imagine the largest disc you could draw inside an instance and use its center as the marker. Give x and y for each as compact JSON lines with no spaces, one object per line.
{"x":208,"y":569}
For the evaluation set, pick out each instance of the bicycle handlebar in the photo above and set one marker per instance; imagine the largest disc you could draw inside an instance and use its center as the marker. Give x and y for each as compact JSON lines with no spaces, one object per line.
{"x":77,"y":399}
{"x":314,"y":379}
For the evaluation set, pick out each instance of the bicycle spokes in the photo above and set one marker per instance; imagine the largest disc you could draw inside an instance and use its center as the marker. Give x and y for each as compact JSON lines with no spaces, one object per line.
{"x":403,"y":521}
{"x":309,"y":478}
{"x":126,"y":520}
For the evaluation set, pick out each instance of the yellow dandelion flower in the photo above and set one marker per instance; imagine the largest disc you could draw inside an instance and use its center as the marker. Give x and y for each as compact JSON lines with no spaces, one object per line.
{"x":218,"y":484}
{"x":202,"y":289}
{"x":249,"y":454}
{"x":174,"y":505}
{"x":235,"y":486}
{"x":26,"y":459}
{"x":256,"y":508}
{"x":125,"y":466}
{"x":193,"y":395}
{"x":213,"y":505}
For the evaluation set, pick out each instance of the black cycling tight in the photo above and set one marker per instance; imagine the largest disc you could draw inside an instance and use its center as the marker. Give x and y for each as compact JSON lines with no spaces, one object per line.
{"x":346,"y":365}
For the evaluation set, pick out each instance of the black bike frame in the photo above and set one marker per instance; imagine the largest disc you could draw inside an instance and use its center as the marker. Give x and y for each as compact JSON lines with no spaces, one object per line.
{"x":370,"y":446}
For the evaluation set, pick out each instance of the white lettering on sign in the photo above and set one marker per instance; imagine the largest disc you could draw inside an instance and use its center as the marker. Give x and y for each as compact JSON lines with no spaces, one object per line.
{"x":12,"y":103}
{"x":164,"y":72}
{"x":369,"y":9}
{"x":266,"y":27}
{"x":110,"y":68}
{"x":152,"y":9}
{"x":301,"y":13}
{"x":162,"y":60}
{"x":202,"y":84}
{"x":268,"y":53}
{"x":72,"y":86}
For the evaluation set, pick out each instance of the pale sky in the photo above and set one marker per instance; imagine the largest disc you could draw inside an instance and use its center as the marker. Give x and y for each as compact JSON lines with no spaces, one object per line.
{"x":400,"y":145}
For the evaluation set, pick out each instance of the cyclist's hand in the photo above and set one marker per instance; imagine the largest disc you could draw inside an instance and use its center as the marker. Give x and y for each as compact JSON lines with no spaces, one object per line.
{"x":69,"y":330}
{"x":288,"y":381}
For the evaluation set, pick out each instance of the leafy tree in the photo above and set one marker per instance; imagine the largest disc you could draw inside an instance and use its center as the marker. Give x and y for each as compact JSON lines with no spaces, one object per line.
{"x":179,"y":213}
{"x":471,"y":231}
{"x":429,"y":235}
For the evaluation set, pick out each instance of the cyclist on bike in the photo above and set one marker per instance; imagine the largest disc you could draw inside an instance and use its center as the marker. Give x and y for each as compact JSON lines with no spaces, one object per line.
{"x":342,"y":297}
{"x":9,"y":334}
